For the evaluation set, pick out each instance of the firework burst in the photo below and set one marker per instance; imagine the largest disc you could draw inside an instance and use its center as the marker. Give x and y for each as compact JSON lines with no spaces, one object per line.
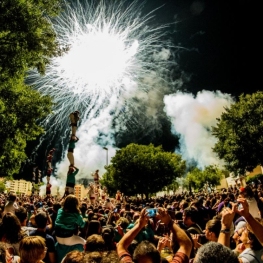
{"x":115,"y":62}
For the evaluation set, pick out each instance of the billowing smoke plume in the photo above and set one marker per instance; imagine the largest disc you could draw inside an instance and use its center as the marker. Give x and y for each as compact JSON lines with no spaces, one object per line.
{"x":192,"y":118}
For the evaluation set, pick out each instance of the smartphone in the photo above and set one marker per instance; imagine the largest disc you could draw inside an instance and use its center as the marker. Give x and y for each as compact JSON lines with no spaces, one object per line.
{"x":240,"y":206}
{"x":151,"y":212}
{"x":115,"y":210}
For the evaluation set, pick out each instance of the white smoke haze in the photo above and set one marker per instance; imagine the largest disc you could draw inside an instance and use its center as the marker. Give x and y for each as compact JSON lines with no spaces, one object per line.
{"x":192,"y":118}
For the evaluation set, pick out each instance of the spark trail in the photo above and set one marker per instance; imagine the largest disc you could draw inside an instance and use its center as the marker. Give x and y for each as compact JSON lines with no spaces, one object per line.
{"x":116,"y":63}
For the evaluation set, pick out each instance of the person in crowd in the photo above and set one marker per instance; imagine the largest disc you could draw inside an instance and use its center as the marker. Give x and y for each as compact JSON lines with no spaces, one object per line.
{"x":247,"y":193}
{"x":215,"y":253}
{"x":67,"y":225}
{"x":94,"y":243}
{"x":91,"y":193}
{"x":108,"y":234}
{"x":11,"y":205}
{"x":118,"y":196}
{"x":48,"y":189}
{"x":73,"y":140}
{"x":71,"y":181}
{"x":74,"y":118}
{"x":74,"y":257}
{"x":5,"y":256}
{"x":11,"y":232}
{"x":21,"y":214}
{"x":190,"y":217}
{"x":41,"y":220}
{"x":50,"y":157}
{"x":32,"y":249}
{"x":96,"y":177}
{"x":94,"y":227}
{"x":146,"y":250}
{"x":212,"y":231}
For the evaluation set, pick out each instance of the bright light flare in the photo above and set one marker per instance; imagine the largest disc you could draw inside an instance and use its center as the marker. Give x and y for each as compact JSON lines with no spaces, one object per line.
{"x":113,"y":53}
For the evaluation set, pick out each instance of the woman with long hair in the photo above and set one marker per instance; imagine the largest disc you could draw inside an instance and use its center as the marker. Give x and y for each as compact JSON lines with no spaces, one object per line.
{"x":11,"y":232}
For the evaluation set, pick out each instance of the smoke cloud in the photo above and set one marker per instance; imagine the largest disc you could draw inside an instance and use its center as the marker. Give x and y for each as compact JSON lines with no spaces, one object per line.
{"x":192,"y":118}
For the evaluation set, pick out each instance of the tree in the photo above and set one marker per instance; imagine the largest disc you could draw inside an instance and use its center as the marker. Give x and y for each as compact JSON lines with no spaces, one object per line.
{"x":239,"y":134}
{"x":20,"y":108}
{"x":2,"y":187}
{"x":141,"y":169}
{"x":210,"y":176}
{"x":27,"y":41}
{"x":27,"y":38}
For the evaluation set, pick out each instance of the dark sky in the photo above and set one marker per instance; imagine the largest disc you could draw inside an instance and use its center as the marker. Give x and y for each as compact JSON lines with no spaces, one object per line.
{"x":222,"y":42}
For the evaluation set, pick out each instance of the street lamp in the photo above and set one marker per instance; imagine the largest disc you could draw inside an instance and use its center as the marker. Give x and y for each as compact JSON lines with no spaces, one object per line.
{"x":106,"y":149}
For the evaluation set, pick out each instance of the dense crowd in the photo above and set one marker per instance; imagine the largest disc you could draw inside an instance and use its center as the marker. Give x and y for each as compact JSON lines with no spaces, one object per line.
{"x":223,"y":226}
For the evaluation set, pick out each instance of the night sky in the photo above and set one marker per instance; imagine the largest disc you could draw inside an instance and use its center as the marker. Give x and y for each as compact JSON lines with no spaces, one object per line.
{"x":222,"y":43}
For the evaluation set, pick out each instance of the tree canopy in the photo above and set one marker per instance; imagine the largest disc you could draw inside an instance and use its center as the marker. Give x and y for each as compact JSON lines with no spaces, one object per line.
{"x":141,"y":169}
{"x":239,"y":134}
{"x":209,"y":176}
{"x":27,"y":41}
{"x":27,"y":38}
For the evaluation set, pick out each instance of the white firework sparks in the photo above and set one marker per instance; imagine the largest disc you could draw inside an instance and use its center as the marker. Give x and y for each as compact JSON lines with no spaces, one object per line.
{"x":114,"y":55}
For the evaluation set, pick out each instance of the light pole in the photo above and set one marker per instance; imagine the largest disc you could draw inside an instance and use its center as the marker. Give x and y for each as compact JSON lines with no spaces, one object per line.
{"x":106,"y":149}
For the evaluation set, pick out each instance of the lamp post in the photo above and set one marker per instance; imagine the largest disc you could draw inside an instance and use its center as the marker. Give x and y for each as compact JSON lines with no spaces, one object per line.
{"x":106,"y":149}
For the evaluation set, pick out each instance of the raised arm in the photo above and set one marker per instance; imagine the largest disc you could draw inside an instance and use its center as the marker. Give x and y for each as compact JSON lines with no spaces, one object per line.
{"x":179,"y":235}
{"x":127,"y":239}
{"x":226,"y":222}
{"x":255,"y":225}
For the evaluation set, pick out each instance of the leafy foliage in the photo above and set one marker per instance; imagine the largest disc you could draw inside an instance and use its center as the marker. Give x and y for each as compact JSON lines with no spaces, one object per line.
{"x":141,"y":169}
{"x":27,"y":38}
{"x":27,"y":41}
{"x":20,"y":107}
{"x":197,"y":178}
{"x":239,"y":134}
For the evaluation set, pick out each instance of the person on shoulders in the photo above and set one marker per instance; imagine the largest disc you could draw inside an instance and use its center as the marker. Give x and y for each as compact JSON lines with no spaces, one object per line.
{"x":11,"y":204}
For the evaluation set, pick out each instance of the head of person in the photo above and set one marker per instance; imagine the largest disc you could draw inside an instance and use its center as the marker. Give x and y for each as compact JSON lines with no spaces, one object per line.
{"x":216,"y":253}
{"x":212,"y":229}
{"x":238,"y":231}
{"x":94,"y":227}
{"x":11,"y":227}
{"x":123,"y":222}
{"x":32,"y":249}
{"x":146,"y":252}
{"x":71,"y":204}
{"x":108,"y":234}
{"x":92,"y":257}
{"x":110,"y":257}
{"x":41,"y":219}
{"x":74,"y":256}
{"x":12,"y":197}
{"x":190,"y":216}
{"x":71,"y":169}
{"x":249,"y":239}
{"x":21,"y":213}
{"x":246,"y":192}
{"x":95,"y":243}
{"x":3,"y":253}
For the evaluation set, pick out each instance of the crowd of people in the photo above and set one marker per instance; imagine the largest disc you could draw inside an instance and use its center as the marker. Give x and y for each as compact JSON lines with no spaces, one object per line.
{"x":223,"y":226}
{"x":203,"y":227}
